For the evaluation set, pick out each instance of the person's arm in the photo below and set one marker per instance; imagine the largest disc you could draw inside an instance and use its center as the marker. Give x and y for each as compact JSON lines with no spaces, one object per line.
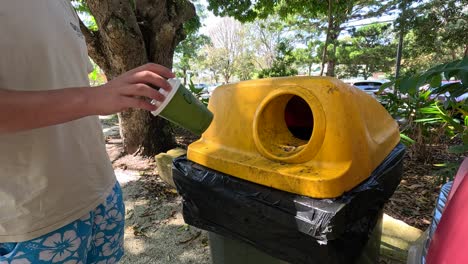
{"x":25,"y":110}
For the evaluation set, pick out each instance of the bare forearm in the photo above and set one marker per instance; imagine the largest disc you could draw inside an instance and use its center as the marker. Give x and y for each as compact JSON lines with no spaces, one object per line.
{"x":24,"y":110}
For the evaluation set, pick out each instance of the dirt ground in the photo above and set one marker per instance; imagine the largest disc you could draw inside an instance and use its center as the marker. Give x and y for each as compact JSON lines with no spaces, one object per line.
{"x":155,"y":230}
{"x":414,"y":200}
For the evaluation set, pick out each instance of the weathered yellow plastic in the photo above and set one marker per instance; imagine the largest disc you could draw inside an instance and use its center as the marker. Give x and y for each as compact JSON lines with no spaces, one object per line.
{"x":249,"y":139}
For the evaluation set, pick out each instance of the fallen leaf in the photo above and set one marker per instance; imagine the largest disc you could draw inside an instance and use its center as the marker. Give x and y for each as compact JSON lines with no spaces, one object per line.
{"x":190,"y":239}
{"x":415,"y":186}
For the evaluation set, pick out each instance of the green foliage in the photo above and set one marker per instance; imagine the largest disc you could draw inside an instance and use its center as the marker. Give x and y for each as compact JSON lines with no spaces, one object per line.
{"x":433,"y":77}
{"x":428,"y":119}
{"x":368,"y":50}
{"x":245,"y":10}
{"x":245,"y":67}
{"x":441,"y":26}
{"x":446,"y":171}
{"x":282,"y":65}
{"x":97,"y":76}
{"x":329,"y":14}
{"x":198,"y":93}
{"x":217,"y":61}
{"x":88,"y":19}
{"x":436,"y":34}
{"x":187,"y":52}
{"x":192,"y":26}
{"x":306,"y":57}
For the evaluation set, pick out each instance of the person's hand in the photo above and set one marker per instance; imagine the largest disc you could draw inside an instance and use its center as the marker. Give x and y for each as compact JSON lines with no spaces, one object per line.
{"x":131,"y":90}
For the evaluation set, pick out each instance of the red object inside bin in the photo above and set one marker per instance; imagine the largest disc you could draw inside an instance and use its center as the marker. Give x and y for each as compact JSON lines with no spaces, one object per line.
{"x":299,"y":118}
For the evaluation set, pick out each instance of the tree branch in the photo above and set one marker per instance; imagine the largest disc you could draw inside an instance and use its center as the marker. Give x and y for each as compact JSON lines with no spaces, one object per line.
{"x":119,"y":35}
{"x":164,"y":30}
{"x":93,"y":42}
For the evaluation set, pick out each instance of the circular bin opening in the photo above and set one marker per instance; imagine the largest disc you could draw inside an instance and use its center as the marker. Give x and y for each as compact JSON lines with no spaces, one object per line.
{"x":283,"y":126}
{"x":299,"y":118}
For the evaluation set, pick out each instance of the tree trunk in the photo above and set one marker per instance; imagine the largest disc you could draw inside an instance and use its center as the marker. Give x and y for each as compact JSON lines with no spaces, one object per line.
{"x":184,"y":72}
{"x":333,"y":39}
{"x":226,"y":78}
{"x":403,"y":6}
{"x":367,"y":72}
{"x":325,"y":47}
{"x":454,"y":54}
{"x":215,"y":76}
{"x":132,"y":33}
{"x":331,"y":67}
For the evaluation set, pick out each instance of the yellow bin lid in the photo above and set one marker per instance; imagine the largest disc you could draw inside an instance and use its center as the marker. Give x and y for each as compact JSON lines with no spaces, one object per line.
{"x":314,"y":136}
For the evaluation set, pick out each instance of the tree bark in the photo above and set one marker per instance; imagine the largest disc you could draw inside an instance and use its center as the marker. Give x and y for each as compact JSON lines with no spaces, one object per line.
{"x":184,"y":72}
{"x":325,"y":47}
{"x":132,"y":33}
{"x":333,"y":39}
{"x":401,"y":37}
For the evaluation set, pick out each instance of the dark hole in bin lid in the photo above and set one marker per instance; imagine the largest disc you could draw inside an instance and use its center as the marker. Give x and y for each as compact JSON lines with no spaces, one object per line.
{"x":299,"y":118}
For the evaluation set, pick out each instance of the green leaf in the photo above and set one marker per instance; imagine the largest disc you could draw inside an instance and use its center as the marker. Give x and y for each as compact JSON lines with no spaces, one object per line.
{"x":449,"y":74}
{"x":406,"y":140}
{"x":385,"y":86}
{"x":463,"y":76}
{"x":408,"y":85}
{"x":432,"y":109}
{"x":452,"y":88}
{"x":428,"y":120}
{"x":436,"y":81}
{"x":458,"y":149}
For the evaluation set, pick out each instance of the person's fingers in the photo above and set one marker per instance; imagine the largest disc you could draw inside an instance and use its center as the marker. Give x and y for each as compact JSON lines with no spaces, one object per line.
{"x":132,"y":102}
{"x":150,"y":78}
{"x":144,"y":90}
{"x":155,"y":68}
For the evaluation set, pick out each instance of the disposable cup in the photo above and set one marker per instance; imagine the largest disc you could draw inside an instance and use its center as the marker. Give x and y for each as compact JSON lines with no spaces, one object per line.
{"x":183,"y":108}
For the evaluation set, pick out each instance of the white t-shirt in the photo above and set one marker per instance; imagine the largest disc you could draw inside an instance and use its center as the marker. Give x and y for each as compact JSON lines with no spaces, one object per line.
{"x":49,"y":177}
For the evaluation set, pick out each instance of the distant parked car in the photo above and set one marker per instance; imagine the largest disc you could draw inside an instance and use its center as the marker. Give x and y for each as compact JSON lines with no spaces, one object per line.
{"x":201,"y":86}
{"x":370,"y":87}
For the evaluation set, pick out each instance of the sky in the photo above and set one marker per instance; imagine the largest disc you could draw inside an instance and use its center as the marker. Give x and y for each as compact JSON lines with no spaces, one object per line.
{"x":211,"y":20}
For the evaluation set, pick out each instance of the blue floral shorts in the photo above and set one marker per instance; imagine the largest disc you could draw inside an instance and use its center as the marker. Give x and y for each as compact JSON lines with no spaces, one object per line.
{"x":95,"y":238}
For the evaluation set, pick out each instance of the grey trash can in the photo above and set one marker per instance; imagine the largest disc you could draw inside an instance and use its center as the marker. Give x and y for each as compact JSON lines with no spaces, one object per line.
{"x":225,"y":250}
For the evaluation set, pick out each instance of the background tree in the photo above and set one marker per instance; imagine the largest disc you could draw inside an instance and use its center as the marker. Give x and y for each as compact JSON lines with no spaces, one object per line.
{"x":128,"y":34}
{"x":334,"y":13}
{"x":264,"y":37}
{"x":227,"y":42}
{"x":436,"y":34}
{"x":442,"y":27}
{"x":308,"y":51}
{"x":369,"y":49}
{"x":283,"y":63}
{"x":187,"y":54}
{"x":245,"y":67}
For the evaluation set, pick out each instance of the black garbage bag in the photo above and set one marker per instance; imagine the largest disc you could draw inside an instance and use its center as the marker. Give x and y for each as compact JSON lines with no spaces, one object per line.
{"x":288,"y":226}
